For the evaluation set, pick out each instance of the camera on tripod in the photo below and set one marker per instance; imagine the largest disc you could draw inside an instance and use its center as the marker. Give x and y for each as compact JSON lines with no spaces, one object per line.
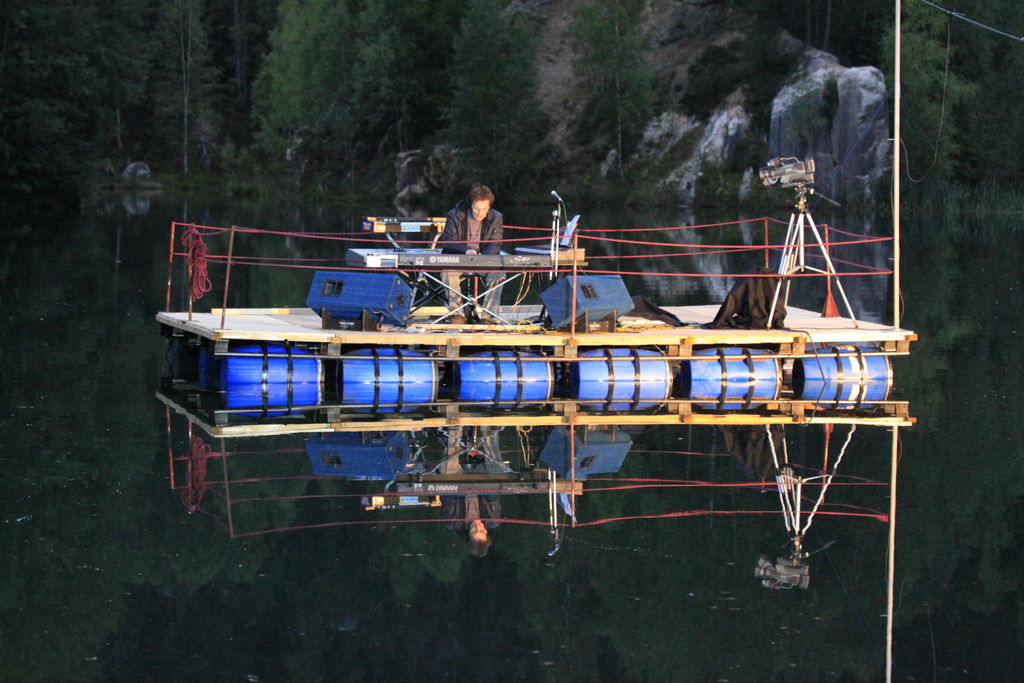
{"x":789,"y":171}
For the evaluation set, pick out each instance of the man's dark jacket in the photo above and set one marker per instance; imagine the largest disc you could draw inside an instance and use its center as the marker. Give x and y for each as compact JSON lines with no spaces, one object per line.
{"x":456,"y":230}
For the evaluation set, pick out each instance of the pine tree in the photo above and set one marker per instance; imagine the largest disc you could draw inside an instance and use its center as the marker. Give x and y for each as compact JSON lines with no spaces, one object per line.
{"x":611,"y":52}
{"x":494,"y":118}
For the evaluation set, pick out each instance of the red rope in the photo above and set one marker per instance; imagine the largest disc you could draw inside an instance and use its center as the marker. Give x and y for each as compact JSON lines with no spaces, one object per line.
{"x":685,"y":227}
{"x":196,"y":258}
{"x":645,"y":273}
{"x":198,"y":454}
{"x":698,"y":513}
{"x":531,"y":522}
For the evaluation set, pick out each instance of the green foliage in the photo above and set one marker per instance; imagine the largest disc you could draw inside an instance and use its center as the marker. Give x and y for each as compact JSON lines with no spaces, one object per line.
{"x":185,"y":83}
{"x":992,"y":129}
{"x":348,"y":83}
{"x":494,"y":118}
{"x":110,"y":81}
{"x":51,"y":91}
{"x":934,"y":89}
{"x":756,"y":64}
{"x":849,"y":30}
{"x":307,"y":69}
{"x":612,"y":51}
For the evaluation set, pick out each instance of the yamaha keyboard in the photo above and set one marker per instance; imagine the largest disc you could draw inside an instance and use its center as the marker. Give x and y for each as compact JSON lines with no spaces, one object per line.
{"x":434,"y":259}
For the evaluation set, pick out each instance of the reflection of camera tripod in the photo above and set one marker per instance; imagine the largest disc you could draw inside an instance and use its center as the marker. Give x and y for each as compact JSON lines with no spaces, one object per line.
{"x":793,"y":256}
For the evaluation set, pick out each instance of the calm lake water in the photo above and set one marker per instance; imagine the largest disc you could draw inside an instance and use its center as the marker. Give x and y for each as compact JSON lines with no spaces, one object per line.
{"x":284,"y":576}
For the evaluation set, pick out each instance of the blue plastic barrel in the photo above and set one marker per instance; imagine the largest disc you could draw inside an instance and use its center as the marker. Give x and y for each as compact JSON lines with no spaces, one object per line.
{"x":621,"y":377}
{"x":273,"y":400}
{"x":209,"y":369}
{"x":389,"y":379}
{"x":842,"y":377}
{"x":290,"y":365}
{"x":732,"y":378}
{"x":508,"y":376}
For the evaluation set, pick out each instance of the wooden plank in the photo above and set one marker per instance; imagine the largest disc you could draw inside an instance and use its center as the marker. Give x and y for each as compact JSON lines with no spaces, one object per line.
{"x":302,"y":325}
{"x":412,"y":423}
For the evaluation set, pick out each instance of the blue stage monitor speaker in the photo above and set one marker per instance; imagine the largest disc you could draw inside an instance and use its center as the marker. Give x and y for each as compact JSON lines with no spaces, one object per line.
{"x":386,"y":296}
{"x":596,"y":295}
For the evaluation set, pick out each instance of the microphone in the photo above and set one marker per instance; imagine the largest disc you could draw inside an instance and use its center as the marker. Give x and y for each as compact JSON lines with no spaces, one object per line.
{"x":555,"y":195}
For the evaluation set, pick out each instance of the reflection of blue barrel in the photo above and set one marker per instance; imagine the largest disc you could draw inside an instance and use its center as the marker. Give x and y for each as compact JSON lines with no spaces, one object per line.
{"x":620,"y":375}
{"x":733,"y":377}
{"x":508,"y":376}
{"x":273,"y":400}
{"x":287,"y":365}
{"x":842,"y":377}
{"x":385,"y":377}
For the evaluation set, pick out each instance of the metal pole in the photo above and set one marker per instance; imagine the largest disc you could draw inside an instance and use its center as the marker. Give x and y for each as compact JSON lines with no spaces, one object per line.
{"x":891,"y":568}
{"x":170,"y":266}
{"x":572,"y":313}
{"x":572,"y":467}
{"x":767,"y":264}
{"x":896,"y":176}
{"x":828,"y":254}
{"x":227,"y":279}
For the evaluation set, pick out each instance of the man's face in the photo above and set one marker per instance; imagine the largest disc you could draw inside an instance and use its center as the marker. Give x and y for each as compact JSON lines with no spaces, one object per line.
{"x":480,"y":208}
{"x":477,"y":531}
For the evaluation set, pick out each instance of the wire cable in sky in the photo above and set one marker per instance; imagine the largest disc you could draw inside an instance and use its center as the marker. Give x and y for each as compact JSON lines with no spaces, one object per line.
{"x":963,"y":17}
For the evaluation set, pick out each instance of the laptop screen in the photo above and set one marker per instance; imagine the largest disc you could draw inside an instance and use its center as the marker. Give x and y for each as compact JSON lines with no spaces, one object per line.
{"x":566,"y":240}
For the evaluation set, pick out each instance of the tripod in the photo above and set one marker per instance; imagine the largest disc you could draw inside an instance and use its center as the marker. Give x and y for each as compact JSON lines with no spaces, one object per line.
{"x":793,"y":253}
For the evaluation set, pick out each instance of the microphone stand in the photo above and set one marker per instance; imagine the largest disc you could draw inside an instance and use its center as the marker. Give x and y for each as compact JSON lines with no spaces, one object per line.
{"x":554,"y":233}
{"x":553,"y":246}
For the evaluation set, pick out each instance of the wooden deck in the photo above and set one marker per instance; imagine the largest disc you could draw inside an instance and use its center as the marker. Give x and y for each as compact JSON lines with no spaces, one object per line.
{"x":303,"y":326}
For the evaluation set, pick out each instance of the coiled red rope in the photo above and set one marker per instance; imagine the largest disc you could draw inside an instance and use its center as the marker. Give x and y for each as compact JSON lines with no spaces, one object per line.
{"x":195,"y":257}
{"x":198,"y":453}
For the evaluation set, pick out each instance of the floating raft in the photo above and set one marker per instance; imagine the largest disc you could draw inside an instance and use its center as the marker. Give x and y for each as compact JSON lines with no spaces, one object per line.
{"x":492,"y":364}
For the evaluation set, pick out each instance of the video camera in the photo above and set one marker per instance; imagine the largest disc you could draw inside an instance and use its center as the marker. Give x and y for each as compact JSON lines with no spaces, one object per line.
{"x":789,"y":170}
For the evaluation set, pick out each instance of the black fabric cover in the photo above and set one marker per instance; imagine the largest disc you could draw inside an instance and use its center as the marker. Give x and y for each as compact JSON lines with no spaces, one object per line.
{"x":750,"y":448}
{"x":644,"y":308}
{"x":748,"y":303}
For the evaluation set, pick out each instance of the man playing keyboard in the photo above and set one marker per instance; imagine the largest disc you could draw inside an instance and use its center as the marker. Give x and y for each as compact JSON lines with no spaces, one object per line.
{"x":472,"y":227}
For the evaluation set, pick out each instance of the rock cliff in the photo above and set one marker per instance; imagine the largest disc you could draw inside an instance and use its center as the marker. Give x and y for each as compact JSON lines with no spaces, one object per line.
{"x":724,"y":105}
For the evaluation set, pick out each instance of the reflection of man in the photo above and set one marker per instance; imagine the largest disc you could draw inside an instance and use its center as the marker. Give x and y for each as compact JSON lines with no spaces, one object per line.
{"x":472,"y":227}
{"x":473,"y":516}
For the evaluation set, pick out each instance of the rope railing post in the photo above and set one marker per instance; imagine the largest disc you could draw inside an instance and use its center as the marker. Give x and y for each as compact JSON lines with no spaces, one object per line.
{"x":170,"y":265}
{"x":191,"y":274}
{"x":572,"y":315}
{"x":227,"y":489}
{"x":572,"y":467}
{"x":767,"y":248}
{"x":170,"y":445}
{"x":227,"y":278}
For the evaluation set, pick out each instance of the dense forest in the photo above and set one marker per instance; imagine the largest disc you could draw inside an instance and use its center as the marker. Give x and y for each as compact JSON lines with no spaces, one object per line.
{"x":321,"y":96}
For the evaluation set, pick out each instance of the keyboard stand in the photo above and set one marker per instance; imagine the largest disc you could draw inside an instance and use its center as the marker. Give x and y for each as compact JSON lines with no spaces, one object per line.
{"x":469,"y":300}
